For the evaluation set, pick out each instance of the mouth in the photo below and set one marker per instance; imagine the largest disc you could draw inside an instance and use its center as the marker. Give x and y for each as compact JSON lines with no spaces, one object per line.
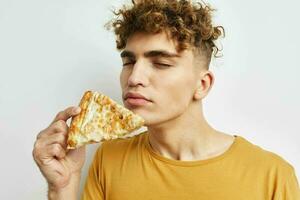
{"x":135,"y":95}
{"x":136,"y":101}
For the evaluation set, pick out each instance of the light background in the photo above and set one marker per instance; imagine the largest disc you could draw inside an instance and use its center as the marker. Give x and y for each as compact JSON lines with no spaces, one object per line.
{"x":52,"y":51}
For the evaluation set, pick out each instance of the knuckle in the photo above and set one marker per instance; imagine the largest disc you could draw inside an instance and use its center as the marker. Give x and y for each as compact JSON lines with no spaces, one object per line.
{"x":59,"y":125}
{"x":59,"y":114}
{"x":43,"y":162}
{"x":37,"y":149}
{"x":35,"y":154}
{"x":60,"y":122}
{"x":53,"y":126}
{"x":61,"y":137}
{"x":56,"y":148}
{"x":36,"y":145}
{"x":70,"y":111}
{"x":39,"y":135}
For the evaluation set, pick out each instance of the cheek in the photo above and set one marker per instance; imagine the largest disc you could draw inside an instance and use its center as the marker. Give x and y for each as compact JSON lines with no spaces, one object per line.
{"x":123,"y":79}
{"x":173,"y":98}
{"x":177,"y":89}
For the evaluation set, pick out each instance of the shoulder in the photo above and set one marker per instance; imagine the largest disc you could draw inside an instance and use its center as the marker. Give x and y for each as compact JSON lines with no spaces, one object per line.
{"x":260,"y":157}
{"x":269,"y":169}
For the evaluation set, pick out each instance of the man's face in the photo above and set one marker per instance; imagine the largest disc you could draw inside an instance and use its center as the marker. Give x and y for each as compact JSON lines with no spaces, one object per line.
{"x":153,"y":68}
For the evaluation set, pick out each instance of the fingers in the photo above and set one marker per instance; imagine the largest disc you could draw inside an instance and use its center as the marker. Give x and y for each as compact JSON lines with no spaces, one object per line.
{"x":56,"y":150}
{"x":46,"y":148}
{"x":51,"y":142}
{"x":67,"y":113}
{"x":59,"y":122}
{"x":59,"y":138}
{"x":59,"y":126}
{"x":44,"y":154}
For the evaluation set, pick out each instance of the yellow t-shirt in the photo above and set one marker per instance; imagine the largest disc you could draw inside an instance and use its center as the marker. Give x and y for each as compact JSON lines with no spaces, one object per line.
{"x":129,"y":169}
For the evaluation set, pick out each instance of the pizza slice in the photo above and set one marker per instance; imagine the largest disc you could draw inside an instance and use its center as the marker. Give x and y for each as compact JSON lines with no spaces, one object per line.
{"x":100,"y":119}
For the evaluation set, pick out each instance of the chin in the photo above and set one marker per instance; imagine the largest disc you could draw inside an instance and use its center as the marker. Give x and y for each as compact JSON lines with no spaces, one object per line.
{"x":152,"y":121}
{"x":145,"y":114}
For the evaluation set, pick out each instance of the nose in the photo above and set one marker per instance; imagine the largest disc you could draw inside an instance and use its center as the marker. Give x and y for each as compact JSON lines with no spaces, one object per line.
{"x":138,"y":75}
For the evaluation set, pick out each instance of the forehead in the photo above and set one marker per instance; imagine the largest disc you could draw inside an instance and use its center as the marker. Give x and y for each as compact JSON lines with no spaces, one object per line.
{"x":139,"y":43}
{"x":142,"y":42}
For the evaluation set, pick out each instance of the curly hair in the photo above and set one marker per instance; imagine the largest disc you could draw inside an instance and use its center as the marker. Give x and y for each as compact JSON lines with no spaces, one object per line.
{"x":188,"y":23}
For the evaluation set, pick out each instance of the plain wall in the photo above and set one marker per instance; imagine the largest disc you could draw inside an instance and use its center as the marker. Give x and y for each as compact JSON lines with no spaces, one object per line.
{"x":52,"y":51}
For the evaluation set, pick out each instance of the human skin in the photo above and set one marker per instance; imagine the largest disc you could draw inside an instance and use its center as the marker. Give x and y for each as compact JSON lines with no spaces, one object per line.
{"x":60,"y":167}
{"x":177,"y":127}
{"x":175,"y":83}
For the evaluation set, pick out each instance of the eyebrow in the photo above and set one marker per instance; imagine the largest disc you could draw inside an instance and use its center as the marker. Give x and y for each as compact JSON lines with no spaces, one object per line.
{"x":153,"y":53}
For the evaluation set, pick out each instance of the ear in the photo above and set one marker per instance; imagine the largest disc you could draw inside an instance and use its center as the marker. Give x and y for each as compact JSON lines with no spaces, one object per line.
{"x":204,"y":84}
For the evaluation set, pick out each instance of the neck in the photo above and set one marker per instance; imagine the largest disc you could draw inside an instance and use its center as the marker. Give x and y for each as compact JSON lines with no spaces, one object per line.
{"x":186,"y":137}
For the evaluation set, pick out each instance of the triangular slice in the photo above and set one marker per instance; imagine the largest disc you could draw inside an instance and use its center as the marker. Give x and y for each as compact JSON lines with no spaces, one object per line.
{"x":100,"y":119}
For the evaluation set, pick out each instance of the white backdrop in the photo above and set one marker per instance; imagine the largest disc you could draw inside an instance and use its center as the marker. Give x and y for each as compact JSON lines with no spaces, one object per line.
{"x":52,"y":51}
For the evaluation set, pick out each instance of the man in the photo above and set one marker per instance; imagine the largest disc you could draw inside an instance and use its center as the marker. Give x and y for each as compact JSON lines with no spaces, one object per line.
{"x":166,"y":50}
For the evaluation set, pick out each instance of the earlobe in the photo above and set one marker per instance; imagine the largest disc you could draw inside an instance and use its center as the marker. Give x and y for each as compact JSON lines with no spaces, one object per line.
{"x":204,"y":85}
{"x":198,"y":93}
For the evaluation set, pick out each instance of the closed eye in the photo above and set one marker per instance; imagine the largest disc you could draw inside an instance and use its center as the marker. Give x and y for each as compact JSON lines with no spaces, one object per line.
{"x":162,"y":64}
{"x":128,"y":63}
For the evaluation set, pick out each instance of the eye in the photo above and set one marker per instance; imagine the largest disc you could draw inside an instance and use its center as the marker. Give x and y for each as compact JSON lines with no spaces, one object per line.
{"x":128,"y":63}
{"x":162,"y":65}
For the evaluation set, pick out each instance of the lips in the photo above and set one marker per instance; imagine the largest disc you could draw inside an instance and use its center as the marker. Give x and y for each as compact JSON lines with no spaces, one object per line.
{"x":135,"y":95}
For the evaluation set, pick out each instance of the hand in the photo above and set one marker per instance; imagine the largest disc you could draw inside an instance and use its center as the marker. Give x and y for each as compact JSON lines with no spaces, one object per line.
{"x":56,"y":163}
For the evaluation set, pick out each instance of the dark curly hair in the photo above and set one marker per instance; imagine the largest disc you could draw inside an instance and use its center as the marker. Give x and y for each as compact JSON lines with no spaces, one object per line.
{"x":188,"y":23}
